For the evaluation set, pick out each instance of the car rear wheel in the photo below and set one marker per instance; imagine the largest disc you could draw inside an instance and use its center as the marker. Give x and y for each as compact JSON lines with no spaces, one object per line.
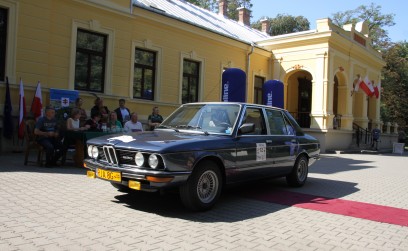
{"x":298,"y":176}
{"x":203,"y":188}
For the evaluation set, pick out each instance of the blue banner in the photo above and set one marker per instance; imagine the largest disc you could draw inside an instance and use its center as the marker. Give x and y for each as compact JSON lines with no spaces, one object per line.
{"x":233,"y":85}
{"x":273,"y":93}
{"x":63,"y":98}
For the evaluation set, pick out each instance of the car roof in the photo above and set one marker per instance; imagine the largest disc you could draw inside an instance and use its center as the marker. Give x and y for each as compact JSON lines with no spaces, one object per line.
{"x":236,"y":103}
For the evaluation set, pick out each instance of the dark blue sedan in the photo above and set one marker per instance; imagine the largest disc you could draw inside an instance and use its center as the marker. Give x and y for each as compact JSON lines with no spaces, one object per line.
{"x":201,"y":147}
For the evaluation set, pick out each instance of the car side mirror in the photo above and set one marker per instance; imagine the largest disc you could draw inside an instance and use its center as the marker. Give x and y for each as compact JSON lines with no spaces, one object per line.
{"x":246,"y":128}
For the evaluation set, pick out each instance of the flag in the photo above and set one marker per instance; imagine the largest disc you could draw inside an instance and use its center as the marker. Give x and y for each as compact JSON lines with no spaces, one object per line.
{"x":356,"y":84}
{"x":370,"y":86}
{"x":377,"y":89}
{"x":7,"y":117}
{"x":367,"y":86}
{"x":36,"y":106}
{"x":22,"y":110}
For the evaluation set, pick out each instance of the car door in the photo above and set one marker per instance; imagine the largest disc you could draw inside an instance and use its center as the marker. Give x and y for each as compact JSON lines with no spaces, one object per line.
{"x":282,"y":144}
{"x":251,"y":148}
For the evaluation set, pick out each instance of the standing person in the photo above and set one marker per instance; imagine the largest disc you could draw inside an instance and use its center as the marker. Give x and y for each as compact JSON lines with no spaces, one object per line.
{"x":101,"y":109}
{"x":155,"y":118}
{"x":78,"y":105}
{"x":114,"y":123}
{"x":376,"y":137}
{"x":401,"y":136}
{"x":133,"y":125}
{"x":48,"y":137}
{"x":122,"y":112}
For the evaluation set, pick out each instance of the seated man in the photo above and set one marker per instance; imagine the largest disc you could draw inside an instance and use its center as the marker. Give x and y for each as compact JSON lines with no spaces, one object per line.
{"x":48,"y":136}
{"x":133,"y":125}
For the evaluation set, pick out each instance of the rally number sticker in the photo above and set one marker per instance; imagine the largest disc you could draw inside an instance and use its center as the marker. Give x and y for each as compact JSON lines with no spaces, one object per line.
{"x":260,"y":151}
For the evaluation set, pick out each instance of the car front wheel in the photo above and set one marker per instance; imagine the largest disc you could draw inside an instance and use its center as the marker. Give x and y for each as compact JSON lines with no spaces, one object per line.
{"x":203,"y":188}
{"x":298,"y":176}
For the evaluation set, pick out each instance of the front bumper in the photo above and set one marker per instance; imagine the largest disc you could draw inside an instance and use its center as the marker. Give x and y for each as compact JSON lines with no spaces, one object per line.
{"x":149,"y":180}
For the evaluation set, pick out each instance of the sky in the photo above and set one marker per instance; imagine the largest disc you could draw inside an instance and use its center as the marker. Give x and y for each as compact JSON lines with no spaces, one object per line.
{"x":317,"y":9}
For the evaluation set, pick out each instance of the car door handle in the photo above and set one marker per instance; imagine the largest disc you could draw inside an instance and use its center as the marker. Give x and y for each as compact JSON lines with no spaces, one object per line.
{"x":268,"y":141}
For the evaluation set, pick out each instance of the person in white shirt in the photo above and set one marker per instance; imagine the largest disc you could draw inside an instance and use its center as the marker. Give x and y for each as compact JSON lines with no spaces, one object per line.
{"x":133,"y":125}
{"x":73,"y":123}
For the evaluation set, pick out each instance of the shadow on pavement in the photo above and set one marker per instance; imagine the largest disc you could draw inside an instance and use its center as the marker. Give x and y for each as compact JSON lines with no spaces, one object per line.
{"x":235,"y":203}
{"x":333,"y":164}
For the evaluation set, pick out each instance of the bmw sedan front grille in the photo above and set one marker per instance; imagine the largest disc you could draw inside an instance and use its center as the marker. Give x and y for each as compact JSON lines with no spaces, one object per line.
{"x":110,"y":155}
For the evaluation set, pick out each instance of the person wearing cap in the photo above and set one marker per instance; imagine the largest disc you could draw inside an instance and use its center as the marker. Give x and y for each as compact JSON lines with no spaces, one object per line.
{"x":47,"y":136}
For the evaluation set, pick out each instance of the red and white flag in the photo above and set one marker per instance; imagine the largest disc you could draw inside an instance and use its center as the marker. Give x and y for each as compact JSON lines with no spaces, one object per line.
{"x":377,"y":89}
{"x":36,"y":106}
{"x":367,"y":86}
{"x":22,"y":110}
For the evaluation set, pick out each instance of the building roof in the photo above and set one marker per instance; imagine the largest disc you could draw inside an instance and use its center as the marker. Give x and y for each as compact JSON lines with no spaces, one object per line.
{"x":205,"y":19}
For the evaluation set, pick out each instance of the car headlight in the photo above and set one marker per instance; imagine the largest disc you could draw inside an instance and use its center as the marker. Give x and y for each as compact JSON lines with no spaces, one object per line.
{"x":93,"y":151}
{"x":90,"y":150}
{"x":153,"y":161}
{"x":139,"y":159}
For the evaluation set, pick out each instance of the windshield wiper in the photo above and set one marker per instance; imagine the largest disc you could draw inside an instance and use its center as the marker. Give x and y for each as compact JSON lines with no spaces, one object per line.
{"x":188,"y":127}
{"x":167,"y":127}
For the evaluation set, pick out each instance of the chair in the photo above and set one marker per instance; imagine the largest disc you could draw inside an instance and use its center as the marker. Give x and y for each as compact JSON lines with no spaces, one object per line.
{"x":31,"y":143}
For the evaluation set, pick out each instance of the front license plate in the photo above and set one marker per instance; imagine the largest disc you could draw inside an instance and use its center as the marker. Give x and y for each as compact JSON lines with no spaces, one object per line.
{"x":109,"y":175}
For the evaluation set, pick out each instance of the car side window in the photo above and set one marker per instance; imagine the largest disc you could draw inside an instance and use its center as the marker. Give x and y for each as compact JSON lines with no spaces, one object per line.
{"x":289,"y":128}
{"x":254,"y":115}
{"x":277,"y":124}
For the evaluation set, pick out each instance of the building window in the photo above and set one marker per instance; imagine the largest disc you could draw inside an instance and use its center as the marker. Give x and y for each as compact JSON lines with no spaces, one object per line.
{"x":3,"y":41}
{"x":144,"y":74}
{"x":258,"y":83}
{"x":90,"y":61}
{"x":190,"y":81}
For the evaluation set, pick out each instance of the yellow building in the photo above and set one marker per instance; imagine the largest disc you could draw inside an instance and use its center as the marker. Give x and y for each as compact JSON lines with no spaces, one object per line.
{"x":165,"y":53}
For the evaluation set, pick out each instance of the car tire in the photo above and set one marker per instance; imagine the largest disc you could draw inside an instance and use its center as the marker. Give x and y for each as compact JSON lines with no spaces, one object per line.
{"x":121,"y":188}
{"x":203,"y":188}
{"x":298,"y":176}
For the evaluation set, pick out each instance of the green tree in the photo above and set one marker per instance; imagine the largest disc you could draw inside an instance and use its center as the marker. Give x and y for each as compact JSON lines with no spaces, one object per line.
{"x":206,"y":4}
{"x":232,"y":7}
{"x":375,"y":19}
{"x":394,"y":105}
{"x":284,"y":24}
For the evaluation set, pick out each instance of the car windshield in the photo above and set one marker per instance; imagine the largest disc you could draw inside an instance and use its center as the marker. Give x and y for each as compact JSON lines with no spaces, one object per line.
{"x":206,"y":118}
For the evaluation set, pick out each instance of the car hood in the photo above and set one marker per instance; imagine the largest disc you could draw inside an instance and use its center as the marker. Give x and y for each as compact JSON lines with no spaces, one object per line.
{"x":163,"y":141}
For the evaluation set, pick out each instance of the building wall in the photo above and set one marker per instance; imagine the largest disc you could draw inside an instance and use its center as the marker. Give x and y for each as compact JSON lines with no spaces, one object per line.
{"x":46,"y":36}
{"x":45,"y":43}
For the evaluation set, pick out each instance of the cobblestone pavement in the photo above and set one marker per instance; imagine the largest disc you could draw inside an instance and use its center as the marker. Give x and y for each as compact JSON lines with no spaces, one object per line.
{"x":62,"y":209}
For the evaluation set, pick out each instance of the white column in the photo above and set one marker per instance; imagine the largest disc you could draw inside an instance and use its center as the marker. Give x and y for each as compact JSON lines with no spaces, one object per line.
{"x":319,"y":93}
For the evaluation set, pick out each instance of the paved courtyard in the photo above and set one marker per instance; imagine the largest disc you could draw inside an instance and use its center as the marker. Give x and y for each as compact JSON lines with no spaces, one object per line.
{"x":62,"y":209}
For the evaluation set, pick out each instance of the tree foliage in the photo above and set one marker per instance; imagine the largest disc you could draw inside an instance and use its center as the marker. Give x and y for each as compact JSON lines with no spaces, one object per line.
{"x":232,"y":7}
{"x":284,"y":24}
{"x":375,"y":19}
{"x":394,"y":97}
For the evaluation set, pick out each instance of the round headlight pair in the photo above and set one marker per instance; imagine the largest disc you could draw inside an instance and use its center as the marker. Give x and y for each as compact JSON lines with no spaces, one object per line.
{"x":153,"y":160}
{"x":93,"y":151}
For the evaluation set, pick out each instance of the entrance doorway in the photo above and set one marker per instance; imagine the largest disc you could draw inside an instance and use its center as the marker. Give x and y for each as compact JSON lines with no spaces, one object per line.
{"x":304,"y":102}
